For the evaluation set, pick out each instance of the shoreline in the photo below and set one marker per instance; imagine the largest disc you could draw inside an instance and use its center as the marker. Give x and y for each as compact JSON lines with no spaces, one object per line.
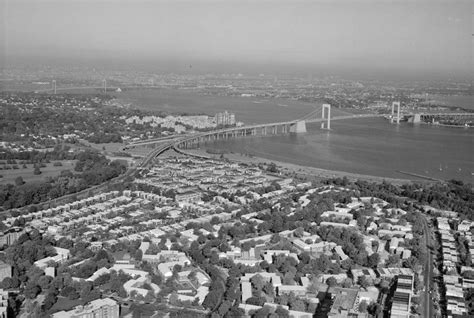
{"x":444,"y":125}
{"x":305,"y":171}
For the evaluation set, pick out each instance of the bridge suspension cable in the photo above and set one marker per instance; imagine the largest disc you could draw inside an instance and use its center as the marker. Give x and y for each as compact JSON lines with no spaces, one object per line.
{"x":308,"y":116}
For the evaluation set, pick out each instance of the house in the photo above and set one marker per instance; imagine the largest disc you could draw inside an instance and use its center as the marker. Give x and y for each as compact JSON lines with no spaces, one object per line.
{"x":394,"y":241}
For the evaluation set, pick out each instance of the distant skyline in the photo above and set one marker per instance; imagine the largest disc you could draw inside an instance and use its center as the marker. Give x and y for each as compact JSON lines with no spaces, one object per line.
{"x":376,"y":36}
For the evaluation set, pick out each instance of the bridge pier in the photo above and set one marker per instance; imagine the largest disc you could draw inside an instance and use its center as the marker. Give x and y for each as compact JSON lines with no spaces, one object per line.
{"x":299,"y":127}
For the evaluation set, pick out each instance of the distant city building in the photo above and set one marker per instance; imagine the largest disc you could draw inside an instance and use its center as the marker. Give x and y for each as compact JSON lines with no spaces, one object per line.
{"x":100,"y":308}
{"x":225,"y":118}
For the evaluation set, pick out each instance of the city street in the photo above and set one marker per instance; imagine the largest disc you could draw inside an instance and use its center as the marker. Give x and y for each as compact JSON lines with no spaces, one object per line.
{"x":428,"y":301}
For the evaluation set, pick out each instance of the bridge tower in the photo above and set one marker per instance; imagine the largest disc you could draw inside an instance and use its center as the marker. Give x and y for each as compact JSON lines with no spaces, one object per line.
{"x":328,"y":124}
{"x":54,"y":86}
{"x":398,"y":111}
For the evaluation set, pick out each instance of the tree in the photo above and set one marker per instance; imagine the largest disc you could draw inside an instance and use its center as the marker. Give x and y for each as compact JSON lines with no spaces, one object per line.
{"x":224,"y":307}
{"x":298,"y":232}
{"x":411,"y":262}
{"x":257,"y":301}
{"x":347,"y":283}
{"x":298,"y":305}
{"x":282,"y":312}
{"x":262,"y":312}
{"x":364,"y":282}
{"x":269,"y":289}
{"x":392,"y":260}
{"x":212,"y":299}
{"x":6,"y":283}
{"x":331,"y":281}
{"x":257,"y":282}
{"x":44,"y":282}
{"x":36,"y":170}
{"x":70,"y":292}
{"x":363,"y":306}
{"x":49,"y":301}
{"x":374,"y":309}
{"x":373,"y":260}
{"x":31,"y":290}
{"x":272,"y":167}
{"x":138,"y":255}
{"x":235,"y":312}
{"x":19,"y":181}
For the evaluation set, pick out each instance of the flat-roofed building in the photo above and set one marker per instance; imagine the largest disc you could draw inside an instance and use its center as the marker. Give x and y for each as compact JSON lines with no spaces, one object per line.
{"x":295,"y":289}
{"x":400,"y":305}
{"x":5,"y":270}
{"x":100,"y":308}
{"x":401,"y":300}
{"x":345,"y":303}
{"x":246,"y":288}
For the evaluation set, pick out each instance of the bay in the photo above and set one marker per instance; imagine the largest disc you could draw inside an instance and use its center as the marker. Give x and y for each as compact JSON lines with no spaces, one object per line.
{"x":372,"y":147}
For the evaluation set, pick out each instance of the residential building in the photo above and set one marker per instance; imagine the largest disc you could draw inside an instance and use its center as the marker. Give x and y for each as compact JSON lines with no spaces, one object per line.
{"x":5,"y":270}
{"x":100,"y":308}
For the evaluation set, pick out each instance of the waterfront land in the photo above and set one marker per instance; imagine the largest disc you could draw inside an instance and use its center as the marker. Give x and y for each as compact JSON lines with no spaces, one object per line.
{"x":290,"y":169}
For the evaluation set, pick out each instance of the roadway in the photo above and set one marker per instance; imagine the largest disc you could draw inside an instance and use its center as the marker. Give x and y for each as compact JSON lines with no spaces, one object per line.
{"x":428,"y":301}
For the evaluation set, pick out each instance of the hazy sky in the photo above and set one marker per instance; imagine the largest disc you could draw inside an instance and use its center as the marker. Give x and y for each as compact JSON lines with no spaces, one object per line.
{"x":415,"y":34}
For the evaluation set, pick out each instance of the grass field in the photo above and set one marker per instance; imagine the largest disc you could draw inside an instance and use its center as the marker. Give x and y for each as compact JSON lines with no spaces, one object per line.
{"x":50,"y":170}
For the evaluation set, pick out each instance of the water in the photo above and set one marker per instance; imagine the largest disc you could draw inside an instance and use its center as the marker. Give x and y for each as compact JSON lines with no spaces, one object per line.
{"x":464,"y":101}
{"x":250,"y":110}
{"x":365,"y":146}
{"x":372,"y":147}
